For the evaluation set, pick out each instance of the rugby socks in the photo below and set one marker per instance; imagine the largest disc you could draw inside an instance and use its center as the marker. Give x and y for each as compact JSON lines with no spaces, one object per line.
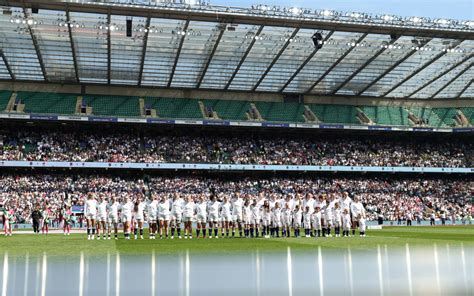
{"x":256,"y":232}
{"x":198,"y":231}
{"x":277,"y":229}
{"x":252,"y":232}
{"x":141,"y":231}
{"x":172,"y":232}
{"x":216,"y":231}
{"x":233,"y":233}
{"x":204,"y":233}
{"x":240,"y":232}
{"x":353,"y":232}
{"x":210,"y":232}
{"x":179,"y":231}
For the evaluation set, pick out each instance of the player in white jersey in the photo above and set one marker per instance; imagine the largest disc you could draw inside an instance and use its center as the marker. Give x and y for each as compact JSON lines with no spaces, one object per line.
{"x":90,"y":212}
{"x":188,"y":214}
{"x":247,"y":217}
{"x":152,"y":213}
{"x":140,"y":207}
{"x":102,"y":218}
{"x":127,"y":209}
{"x":276,"y":220}
{"x":286,"y":217}
{"x":213,"y":217}
{"x":266,"y":219}
{"x":337,"y":219}
{"x":361,"y":219}
{"x":307,"y":222}
{"x":356,"y":209}
{"x":316,"y":221}
{"x":237,"y":214}
{"x":226,"y":215}
{"x":113,"y":220}
{"x":164,"y":215}
{"x":177,"y":206}
{"x":328,"y":215}
{"x":346,"y":222}
{"x":255,"y":219}
{"x":297,"y":218}
{"x":201,"y":216}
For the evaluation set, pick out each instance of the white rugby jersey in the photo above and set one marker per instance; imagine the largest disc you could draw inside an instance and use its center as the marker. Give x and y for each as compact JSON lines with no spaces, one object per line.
{"x":153,"y":208}
{"x":337,"y":214}
{"x":164,"y":208}
{"x":247,"y":211}
{"x":213,"y":208}
{"x":201,"y":209}
{"x":256,"y":210}
{"x":225,"y":209}
{"x":177,"y":206}
{"x":357,"y":209}
{"x":297,"y":216}
{"x":141,"y":209}
{"x":237,"y":206}
{"x":276,"y":215}
{"x":346,"y":220}
{"x":103,"y":209}
{"x":90,"y":207}
{"x":113,"y":209}
{"x":316,"y":217}
{"x":189,"y":209}
{"x":127,"y":209}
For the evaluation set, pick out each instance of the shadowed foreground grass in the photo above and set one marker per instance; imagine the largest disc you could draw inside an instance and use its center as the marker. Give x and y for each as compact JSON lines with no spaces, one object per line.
{"x":392,"y":237}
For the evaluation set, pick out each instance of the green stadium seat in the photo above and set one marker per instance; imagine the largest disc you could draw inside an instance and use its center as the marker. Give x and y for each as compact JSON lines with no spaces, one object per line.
{"x":229,"y":110}
{"x":335,"y":113}
{"x":4,"y":98}
{"x":279,"y":111}
{"x":175,"y":108}
{"x":113,"y":105}
{"x":48,"y":103}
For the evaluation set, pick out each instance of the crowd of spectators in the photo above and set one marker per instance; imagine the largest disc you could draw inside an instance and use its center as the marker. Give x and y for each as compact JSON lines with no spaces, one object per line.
{"x":387,"y":197}
{"x":242,"y":149}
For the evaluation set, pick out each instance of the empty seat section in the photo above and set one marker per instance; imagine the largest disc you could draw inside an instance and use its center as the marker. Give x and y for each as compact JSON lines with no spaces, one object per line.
{"x":4,"y":98}
{"x":229,"y":110}
{"x":113,"y":105}
{"x":446,"y":115}
{"x":335,"y":113}
{"x":279,"y":111}
{"x":370,"y":111}
{"x":175,"y":108}
{"x":392,"y":116}
{"x":469,"y":113}
{"x":48,"y":103}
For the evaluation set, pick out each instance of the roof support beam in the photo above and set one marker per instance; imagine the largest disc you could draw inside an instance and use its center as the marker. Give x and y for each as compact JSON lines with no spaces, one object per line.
{"x":73,"y":51}
{"x":109,"y":50}
{"x":208,"y":62}
{"x":145,"y":44}
{"x":379,"y":52}
{"x":308,"y":59}
{"x":178,"y":53}
{"x":242,"y":60}
{"x":335,"y":64}
{"x":437,"y":57}
{"x":440,"y":75}
{"x":464,"y":89}
{"x":35,"y":44}
{"x":7,"y":65}
{"x":451,"y":81}
{"x":409,"y":54}
{"x":277,"y":57}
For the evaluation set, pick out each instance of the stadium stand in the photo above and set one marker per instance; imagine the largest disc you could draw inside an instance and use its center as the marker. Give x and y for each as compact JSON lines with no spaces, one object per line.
{"x":4,"y":98}
{"x":48,"y":103}
{"x":113,"y":105}
{"x":174,"y":108}
{"x":229,"y":110}
{"x":335,"y":113}
{"x":278,"y":111}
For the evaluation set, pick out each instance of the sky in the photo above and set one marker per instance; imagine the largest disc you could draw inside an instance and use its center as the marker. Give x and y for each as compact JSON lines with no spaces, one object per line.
{"x":453,"y":9}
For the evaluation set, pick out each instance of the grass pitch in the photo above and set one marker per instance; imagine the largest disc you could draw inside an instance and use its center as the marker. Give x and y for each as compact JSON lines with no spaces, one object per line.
{"x":392,"y":237}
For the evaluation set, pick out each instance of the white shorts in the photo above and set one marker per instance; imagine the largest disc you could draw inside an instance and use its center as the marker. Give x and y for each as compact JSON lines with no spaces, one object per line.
{"x":151,"y":219}
{"x":113,"y":219}
{"x":188,"y":219}
{"x":164,"y":218}
{"x":296,"y":225}
{"x":126,"y":218}
{"x":90,"y":216}
{"x":139,"y":219}
{"x":201,"y":219}
{"x":255,"y":221}
{"x":237,"y":218}
{"x":226,"y":218}
{"x":213,"y":218}
{"x":102,"y":218}
{"x":247,"y":220}
{"x":177,"y":218}
{"x":266,"y":222}
{"x":276,"y":224}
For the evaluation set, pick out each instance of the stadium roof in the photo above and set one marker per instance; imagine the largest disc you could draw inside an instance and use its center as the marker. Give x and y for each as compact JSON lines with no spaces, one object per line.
{"x":262,"y":49}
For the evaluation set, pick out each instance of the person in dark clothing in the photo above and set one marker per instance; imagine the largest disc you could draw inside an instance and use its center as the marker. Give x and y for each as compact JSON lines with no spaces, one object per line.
{"x":36,"y":217}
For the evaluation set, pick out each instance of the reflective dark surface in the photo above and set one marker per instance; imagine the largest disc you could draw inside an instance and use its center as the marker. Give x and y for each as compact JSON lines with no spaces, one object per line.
{"x":438,"y":270}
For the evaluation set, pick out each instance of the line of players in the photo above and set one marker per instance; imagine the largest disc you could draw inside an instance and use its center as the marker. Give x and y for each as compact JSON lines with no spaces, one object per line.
{"x":251,"y":217}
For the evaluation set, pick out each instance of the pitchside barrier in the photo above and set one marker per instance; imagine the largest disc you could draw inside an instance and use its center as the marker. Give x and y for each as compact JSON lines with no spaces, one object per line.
{"x":229,"y":167}
{"x":228,"y":123}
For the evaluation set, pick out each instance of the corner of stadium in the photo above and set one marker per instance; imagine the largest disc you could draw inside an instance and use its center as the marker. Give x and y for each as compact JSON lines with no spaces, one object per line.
{"x":301,"y":151}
